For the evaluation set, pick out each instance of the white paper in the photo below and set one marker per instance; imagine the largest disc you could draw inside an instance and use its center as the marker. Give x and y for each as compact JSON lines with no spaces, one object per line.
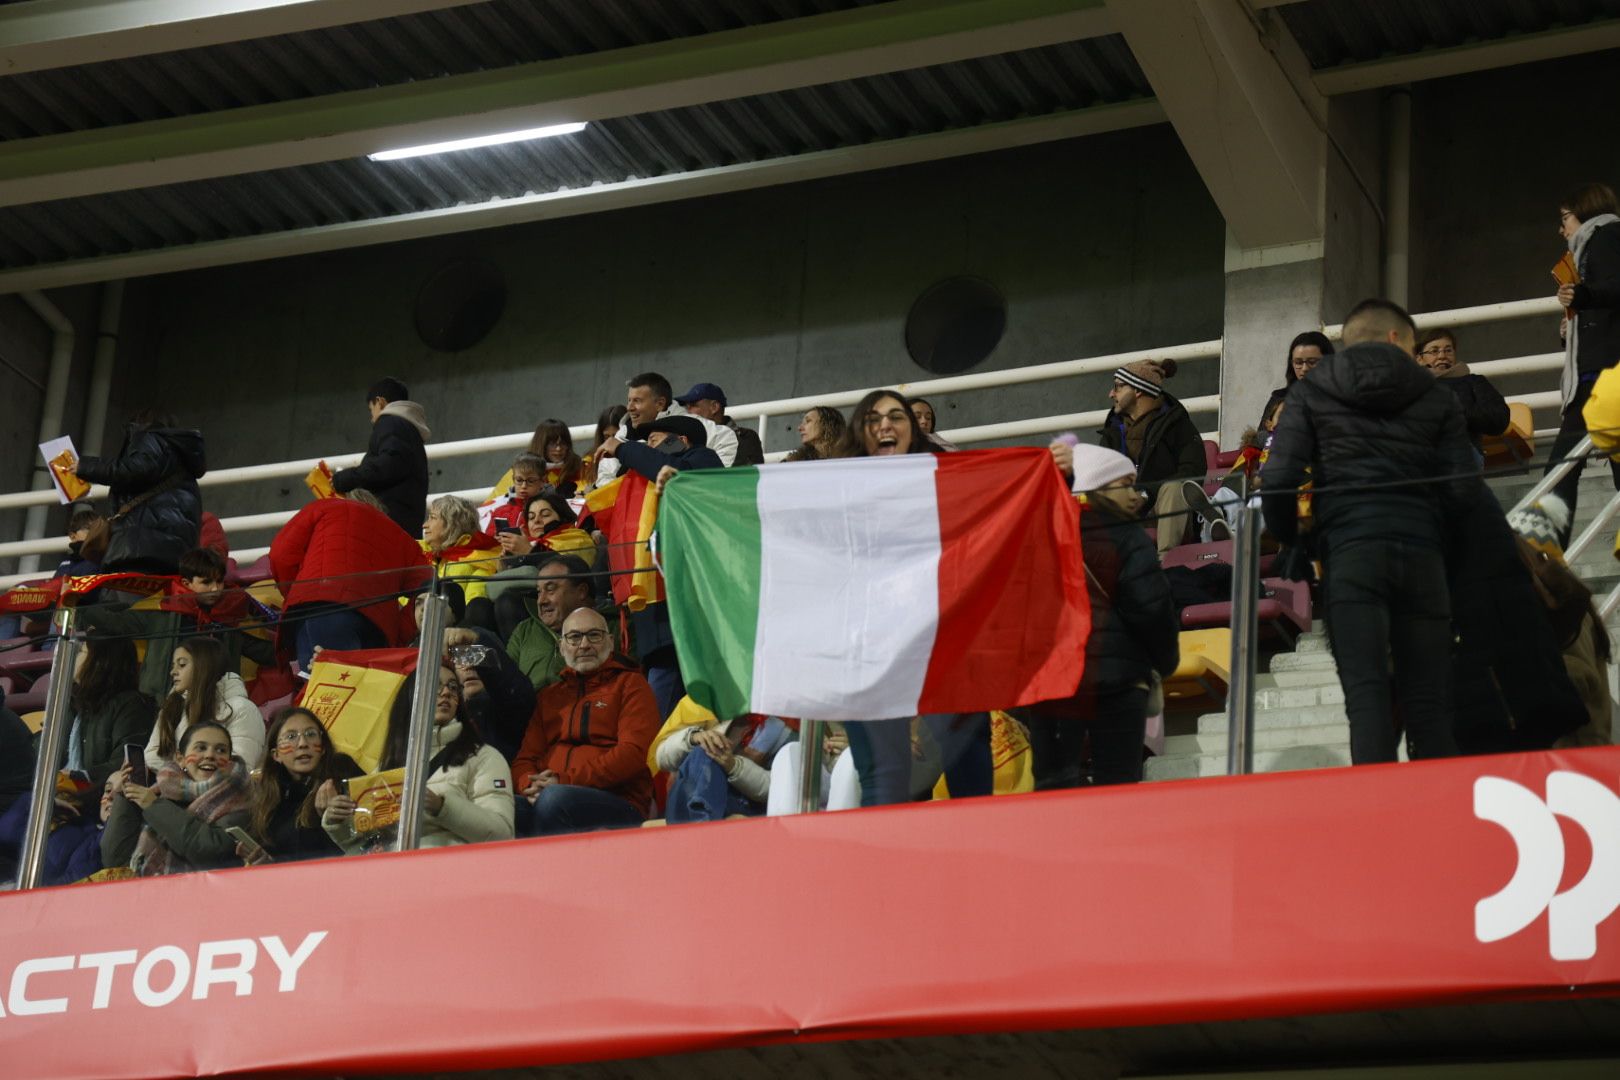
{"x":48,"y":451}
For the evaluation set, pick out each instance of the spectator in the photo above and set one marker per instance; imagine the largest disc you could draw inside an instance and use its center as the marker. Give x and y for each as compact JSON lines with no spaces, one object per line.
{"x":522,"y":482}
{"x":583,"y":765}
{"x":607,"y":425}
{"x":922,"y":411}
{"x":1484,"y":411}
{"x":395,"y":467}
{"x":650,"y":398}
{"x":204,"y":691}
{"x":198,"y":605}
{"x":157,"y":508}
{"x":469,"y":795}
{"x":109,"y":710}
{"x":821,"y":435}
{"x":73,"y":848}
{"x":16,"y":756}
{"x":1134,"y":635}
{"x":463,"y":553}
{"x":552,"y":446}
{"x":179,"y":823}
{"x":1304,"y":353}
{"x":674,"y":444}
{"x":880,"y":425}
{"x":301,"y":774}
{"x":1366,"y":425}
{"x":707,"y":401}
{"x":342,"y":564}
{"x":84,"y":521}
{"x":1151,"y":427}
{"x":564,"y":586}
{"x":496,"y":694}
{"x":1588,"y":223}
{"x":716,"y":769}
{"x":551,"y":530}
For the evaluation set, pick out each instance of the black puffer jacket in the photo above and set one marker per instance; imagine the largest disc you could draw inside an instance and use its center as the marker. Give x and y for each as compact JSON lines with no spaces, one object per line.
{"x":395,"y":468}
{"x":1134,"y":629}
{"x":1370,"y":416}
{"x":1172,"y":448}
{"x":1484,"y":411}
{"x":1597,"y":301}
{"x":153,"y":535}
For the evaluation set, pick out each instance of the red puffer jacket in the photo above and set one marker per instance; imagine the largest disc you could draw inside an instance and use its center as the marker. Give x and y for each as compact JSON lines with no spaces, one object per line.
{"x":344,"y":552}
{"x":593,"y":730}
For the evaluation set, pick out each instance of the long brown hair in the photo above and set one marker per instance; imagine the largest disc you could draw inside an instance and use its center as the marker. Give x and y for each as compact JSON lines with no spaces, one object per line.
{"x":855,"y":437}
{"x":609,"y":420}
{"x":110,"y":668}
{"x":545,"y":433}
{"x":208,"y":667}
{"x":273,"y":774}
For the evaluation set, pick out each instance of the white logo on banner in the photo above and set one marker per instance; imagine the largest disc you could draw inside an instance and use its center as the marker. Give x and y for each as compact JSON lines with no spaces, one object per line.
{"x":1574,"y":915}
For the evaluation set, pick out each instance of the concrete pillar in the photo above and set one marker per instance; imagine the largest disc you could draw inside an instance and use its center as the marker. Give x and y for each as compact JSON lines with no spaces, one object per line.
{"x":1271,"y":294}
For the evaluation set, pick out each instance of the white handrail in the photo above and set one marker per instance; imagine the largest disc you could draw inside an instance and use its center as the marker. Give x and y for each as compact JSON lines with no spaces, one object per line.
{"x":1473,"y":316}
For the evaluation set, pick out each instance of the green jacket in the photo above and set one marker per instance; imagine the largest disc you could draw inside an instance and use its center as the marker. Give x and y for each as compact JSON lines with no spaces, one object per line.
{"x":535,"y":648}
{"x":125,"y":718}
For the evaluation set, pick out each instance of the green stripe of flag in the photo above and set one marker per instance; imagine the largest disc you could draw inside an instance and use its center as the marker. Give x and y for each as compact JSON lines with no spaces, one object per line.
{"x":709,"y":544}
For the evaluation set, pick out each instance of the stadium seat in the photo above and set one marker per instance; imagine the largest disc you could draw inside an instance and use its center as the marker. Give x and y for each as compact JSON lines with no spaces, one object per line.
{"x":1203,"y":673}
{"x":1517,"y":444}
{"x":1283,"y":609}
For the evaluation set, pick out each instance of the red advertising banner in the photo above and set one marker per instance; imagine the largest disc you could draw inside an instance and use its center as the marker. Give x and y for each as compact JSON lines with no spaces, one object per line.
{"x":1392,"y":886}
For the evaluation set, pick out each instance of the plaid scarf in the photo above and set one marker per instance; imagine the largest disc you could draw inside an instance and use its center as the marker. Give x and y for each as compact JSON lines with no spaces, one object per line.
{"x":210,"y":800}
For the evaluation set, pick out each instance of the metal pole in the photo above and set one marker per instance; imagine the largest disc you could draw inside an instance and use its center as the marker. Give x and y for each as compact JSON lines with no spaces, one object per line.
{"x":52,"y":743}
{"x":418,"y":749}
{"x":1245,"y":631}
{"x":810,"y":734}
{"x":1599,"y":527}
{"x":1557,"y":473}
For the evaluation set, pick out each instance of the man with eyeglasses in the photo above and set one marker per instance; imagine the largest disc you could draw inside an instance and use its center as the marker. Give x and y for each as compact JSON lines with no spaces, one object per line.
{"x":1484,"y":411}
{"x":583,"y":763}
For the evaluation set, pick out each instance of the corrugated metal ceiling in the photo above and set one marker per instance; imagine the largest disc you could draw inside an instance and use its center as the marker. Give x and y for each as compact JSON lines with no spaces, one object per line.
{"x":1333,"y":32}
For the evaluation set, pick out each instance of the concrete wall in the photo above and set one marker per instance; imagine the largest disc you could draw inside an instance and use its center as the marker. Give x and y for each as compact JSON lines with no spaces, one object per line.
{"x":1098,"y":245}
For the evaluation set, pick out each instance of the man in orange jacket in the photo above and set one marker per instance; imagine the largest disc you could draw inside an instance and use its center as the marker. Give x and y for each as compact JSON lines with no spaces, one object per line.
{"x":583,"y":762}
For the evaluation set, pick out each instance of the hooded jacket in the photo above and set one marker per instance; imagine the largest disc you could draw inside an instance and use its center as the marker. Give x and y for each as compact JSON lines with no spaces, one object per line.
{"x":1370,"y":415}
{"x":1484,"y":411}
{"x":1134,"y":625}
{"x":593,"y":730}
{"x":395,"y":467}
{"x":1172,"y":448}
{"x":155,"y":533}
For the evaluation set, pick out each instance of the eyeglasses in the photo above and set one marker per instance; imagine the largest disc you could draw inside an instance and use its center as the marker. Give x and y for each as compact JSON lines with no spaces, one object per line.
{"x":1305,"y":361}
{"x":296,"y":738}
{"x":1439,"y":350}
{"x":577,"y":637}
{"x":451,"y":688}
{"x":894,"y":416}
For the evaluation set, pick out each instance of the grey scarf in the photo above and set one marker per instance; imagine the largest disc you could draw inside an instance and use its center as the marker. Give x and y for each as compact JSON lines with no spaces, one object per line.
{"x":1577,"y":248}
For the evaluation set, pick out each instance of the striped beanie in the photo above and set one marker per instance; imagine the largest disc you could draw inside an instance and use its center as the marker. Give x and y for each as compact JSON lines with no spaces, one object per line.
{"x":1146,"y":376}
{"x":1541,"y":524}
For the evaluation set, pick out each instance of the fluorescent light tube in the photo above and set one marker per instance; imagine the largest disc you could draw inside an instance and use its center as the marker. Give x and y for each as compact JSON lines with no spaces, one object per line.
{"x":477,"y":140}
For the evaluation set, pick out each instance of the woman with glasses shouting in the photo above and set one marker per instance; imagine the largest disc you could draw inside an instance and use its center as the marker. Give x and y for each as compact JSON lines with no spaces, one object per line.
{"x":302,"y":773}
{"x":1483,"y":408}
{"x":469,"y":787}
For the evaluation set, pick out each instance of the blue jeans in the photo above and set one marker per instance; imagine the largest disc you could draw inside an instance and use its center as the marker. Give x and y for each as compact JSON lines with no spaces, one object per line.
{"x":572,"y":808}
{"x":665,"y":679}
{"x":882,"y":750}
{"x":701,"y":792}
{"x":332,"y":626}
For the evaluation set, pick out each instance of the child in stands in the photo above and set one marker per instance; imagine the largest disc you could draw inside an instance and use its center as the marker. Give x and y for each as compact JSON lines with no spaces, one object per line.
{"x":506,"y":512}
{"x":302,"y":773}
{"x":179,"y":823}
{"x":204,"y":691}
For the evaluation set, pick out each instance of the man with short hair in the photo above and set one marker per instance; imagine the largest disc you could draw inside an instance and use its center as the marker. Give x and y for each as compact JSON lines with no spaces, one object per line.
{"x":707,"y":401}
{"x":563,"y":587}
{"x":649,"y":397}
{"x":1387,"y":452}
{"x":583,"y":764}
{"x":395,"y":467}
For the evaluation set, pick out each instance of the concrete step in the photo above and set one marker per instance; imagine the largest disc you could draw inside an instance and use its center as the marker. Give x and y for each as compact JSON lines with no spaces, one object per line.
{"x":1285,"y":698}
{"x":1287,"y":759}
{"x":1308,"y":716}
{"x":1311,"y":661}
{"x":1318,"y":676}
{"x":1311,"y":643}
{"x":1267,"y":738}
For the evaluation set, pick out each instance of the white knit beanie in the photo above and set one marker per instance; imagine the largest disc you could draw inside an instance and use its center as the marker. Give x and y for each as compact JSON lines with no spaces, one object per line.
{"x":1097,"y":466}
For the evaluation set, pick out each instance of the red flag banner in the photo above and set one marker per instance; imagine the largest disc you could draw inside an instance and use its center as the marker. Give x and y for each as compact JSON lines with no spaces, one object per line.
{"x":1195,"y":901}
{"x":40,"y":595}
{"x":626,"y":511}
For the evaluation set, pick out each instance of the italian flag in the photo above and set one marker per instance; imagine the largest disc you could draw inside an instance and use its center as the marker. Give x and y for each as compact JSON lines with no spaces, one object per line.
{"x":870,"y":588}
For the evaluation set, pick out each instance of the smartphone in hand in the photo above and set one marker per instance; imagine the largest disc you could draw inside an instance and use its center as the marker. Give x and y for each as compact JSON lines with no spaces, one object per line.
{"x":135,"y":758}
{"x":251,"y":850}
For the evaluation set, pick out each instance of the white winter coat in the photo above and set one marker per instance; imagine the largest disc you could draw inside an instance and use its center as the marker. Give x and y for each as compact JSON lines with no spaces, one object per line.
{"x":240,"y":716}
{"x":477,"y":800}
